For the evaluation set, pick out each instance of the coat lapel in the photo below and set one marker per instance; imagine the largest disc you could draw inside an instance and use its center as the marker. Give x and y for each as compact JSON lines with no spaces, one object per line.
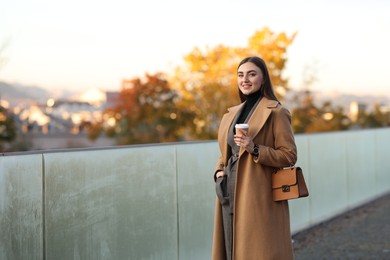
{"x":260,"y":115}
{"x":224,"y":128}
{"x":256,"y":121}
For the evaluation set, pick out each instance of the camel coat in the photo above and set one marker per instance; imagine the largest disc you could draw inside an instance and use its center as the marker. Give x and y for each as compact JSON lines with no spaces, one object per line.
{"x":261,"y":227}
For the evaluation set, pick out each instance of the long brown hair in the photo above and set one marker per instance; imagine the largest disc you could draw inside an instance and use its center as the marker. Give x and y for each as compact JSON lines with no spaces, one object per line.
{"x":266,"y":88}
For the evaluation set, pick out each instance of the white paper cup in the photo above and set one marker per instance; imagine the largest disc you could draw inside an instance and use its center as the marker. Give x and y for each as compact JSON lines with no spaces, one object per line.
{"x":241,"y":129}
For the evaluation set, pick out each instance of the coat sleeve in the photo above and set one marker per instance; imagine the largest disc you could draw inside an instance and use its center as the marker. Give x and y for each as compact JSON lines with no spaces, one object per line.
{"x":219,"y":167}
{"x":284,"y":151}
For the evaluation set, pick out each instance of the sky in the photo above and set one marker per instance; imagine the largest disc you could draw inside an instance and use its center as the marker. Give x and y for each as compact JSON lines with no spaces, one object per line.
{"x":83,"y":44}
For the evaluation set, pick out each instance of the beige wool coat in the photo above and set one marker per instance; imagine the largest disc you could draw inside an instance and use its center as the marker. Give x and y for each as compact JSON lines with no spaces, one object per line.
{"x":261,"y":227}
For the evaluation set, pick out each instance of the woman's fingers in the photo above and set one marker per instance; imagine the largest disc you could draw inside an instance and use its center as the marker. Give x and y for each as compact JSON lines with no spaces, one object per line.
{"x":242,"y":140}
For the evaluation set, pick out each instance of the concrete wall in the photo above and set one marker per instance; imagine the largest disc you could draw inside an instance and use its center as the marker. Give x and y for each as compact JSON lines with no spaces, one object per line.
{"x":157,"y":201}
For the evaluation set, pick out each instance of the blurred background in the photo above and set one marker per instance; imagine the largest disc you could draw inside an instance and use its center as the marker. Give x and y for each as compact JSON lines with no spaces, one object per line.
{"x":97,"y":73}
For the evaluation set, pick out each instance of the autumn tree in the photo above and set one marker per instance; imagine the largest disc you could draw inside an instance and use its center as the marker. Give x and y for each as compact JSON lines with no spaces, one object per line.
{"x":328,"y":119}
{"x":207,"y":82}
{"x":381,"y":115}
{"x":7,"y":122}
{"x":272,"y":47}
{"x":374,"y":119}
{"x":145,"y":111}
{"x":7,"y":127}
{"x":304,"y":113}
{"x":307,"y":117}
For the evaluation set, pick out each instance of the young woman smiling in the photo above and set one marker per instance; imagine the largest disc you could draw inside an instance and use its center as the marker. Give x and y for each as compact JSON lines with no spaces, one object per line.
{"x":248,"y":223}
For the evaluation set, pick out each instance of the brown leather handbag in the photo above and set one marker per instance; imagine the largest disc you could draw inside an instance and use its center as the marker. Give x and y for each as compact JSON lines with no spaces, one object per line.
{"x":288,"y":183}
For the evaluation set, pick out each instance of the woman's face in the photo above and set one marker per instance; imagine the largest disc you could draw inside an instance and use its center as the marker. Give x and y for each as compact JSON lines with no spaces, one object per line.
{"x":249,"y":78}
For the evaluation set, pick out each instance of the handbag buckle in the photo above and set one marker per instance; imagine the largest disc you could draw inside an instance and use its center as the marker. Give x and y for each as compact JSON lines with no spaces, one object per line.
{"x":292,"y":166}
{"x":286,"y":188}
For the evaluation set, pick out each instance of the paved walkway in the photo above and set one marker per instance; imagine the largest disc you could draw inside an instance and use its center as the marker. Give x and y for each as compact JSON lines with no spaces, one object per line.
{"x":363,"y":233}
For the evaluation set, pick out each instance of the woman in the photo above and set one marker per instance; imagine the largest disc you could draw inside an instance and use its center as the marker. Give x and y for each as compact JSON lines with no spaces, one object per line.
{"x":248,"y":223}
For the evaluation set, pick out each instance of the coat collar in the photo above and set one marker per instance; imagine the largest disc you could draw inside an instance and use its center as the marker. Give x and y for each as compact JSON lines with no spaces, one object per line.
{"x":260,"y":115}
{"x":256,"y":121}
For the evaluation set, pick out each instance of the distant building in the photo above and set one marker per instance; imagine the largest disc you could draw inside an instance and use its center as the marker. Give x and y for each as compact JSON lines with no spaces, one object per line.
{"x":93,"y":96}
{"x":356,"y":109}
{"x":112,"y":98}
{"x":74,"y":114}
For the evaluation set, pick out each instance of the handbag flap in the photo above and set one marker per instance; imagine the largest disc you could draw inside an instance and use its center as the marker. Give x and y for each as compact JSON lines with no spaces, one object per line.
{"x":284,"y":177}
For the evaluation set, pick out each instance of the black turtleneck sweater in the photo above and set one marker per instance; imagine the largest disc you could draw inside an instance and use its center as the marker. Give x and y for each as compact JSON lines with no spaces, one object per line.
{"x":251,"y":100}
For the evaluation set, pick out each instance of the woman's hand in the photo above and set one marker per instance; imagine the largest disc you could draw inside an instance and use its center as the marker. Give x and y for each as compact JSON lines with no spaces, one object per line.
{"x":220,"y":174}
{"x":245,"y":141}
